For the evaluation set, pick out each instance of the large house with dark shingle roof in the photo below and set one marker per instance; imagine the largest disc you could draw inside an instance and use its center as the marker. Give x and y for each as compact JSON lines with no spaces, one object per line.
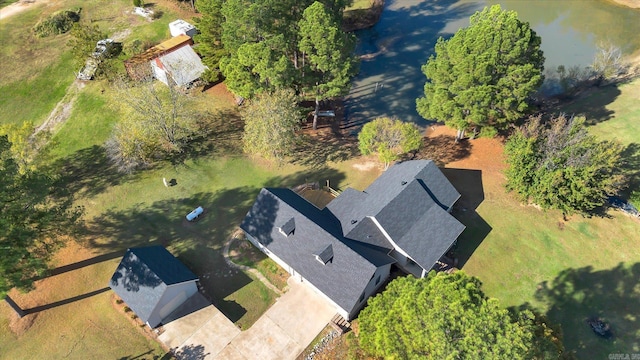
{"x":153,"y":283}
{"x":345,"y":251}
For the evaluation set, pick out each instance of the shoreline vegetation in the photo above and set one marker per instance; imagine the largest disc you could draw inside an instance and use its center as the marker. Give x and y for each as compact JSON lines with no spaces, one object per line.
{"x":360,"y":18}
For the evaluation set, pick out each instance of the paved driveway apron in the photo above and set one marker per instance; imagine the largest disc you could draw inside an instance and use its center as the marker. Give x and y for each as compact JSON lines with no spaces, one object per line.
{"x":283,"y":332}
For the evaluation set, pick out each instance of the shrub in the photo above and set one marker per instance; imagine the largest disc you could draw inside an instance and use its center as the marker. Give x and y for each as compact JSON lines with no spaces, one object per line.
{"x":57,"y":23}
{"x":157,"y":14}
{"x":134,"y":316}
{"x":127,"y":309}
{"x":634,"y":199}
{"x":119,"y":301}
{"x":138,"y":3}
{"x":488,"y":132}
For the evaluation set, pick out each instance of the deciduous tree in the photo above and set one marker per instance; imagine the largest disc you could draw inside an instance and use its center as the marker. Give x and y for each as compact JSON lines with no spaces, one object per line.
{"x":447,"y":316}
{"x":34,"y":213}
{"x":271,"y":121}
{"x":485,"y":74}
{"x":83,"y":41}
{"x":559,"y":165}
{"x":158,"y":120}
{"x":389,"y":139}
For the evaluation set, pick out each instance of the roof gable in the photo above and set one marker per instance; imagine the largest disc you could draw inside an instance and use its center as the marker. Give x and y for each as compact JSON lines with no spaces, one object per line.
{"x":144,"y":274}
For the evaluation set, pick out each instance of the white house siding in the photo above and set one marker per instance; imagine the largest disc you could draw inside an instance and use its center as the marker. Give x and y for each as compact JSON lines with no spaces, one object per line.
{"x":158,"y":72}
{"x":167,"y":302}
{"x":382,"y":272}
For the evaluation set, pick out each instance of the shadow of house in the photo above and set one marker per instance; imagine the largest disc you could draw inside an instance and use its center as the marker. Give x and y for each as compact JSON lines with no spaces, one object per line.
{"x":472,"y":195}
{"x":153,"y":283}
{"x":345,"y":251}
{"x":613,"y":295}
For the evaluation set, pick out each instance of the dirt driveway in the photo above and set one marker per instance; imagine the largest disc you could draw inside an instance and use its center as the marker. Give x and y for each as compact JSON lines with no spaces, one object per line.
{"x":283,"y":332}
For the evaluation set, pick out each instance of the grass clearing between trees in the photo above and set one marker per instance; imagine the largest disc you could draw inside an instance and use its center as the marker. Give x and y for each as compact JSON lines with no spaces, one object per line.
{"x":568,"y":270}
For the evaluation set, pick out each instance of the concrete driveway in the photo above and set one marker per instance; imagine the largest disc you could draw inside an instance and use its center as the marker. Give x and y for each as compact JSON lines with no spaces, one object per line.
{"x":283,"y":332}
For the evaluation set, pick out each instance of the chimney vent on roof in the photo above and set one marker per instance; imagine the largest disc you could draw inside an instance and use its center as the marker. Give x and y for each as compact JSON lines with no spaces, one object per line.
{"x":288,"y":227}
{"x":353,"y":221}
{"x":403,"y":182}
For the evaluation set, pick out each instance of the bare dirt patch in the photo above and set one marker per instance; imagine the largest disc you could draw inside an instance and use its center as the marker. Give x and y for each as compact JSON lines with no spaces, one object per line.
{"x":366,"y":165}
{"x":478,"y":154}
{"x":63,"y":109}
{"x":634,"y":4}
{"x":19,"y":6}
{"x":46,"y":289}
{"x":220,"y":91}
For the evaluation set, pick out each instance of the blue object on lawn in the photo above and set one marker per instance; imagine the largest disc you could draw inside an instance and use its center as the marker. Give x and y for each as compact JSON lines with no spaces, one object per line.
{"x":195,"y":213}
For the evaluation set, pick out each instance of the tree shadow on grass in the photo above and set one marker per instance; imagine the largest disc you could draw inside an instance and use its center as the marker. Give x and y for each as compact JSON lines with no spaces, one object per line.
{"x":631,"y":163}
{"x":221,"y":133}
{"x":317,"y":149}
{"x":592,"y":104}
{"x":88,"y":172}
{"x":469,"y":185}
{"x":576,"y":295}
{"x":443,"y":149}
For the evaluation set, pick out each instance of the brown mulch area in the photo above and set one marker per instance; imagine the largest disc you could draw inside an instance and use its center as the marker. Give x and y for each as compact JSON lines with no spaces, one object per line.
{"x":220,"y":91}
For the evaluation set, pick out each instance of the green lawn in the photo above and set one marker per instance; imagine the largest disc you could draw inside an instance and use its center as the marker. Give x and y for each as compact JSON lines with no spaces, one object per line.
{"x":4,"y":3}
{"x":613,"y":111}
{"x":568,"y":270}
{"x":84,"y":328}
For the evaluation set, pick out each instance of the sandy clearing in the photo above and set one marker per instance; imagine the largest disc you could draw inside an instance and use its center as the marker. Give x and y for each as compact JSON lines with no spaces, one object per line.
{"x":18,"y":7}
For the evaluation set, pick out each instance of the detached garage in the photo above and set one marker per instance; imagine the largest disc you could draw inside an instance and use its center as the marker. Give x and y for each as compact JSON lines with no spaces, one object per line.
{"x":153,"y":283}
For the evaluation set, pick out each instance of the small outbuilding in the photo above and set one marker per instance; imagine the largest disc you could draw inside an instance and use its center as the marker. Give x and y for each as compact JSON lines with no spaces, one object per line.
{"x":181,"y":27}
{"x":153,"y":283}
{"x":172,"y":61}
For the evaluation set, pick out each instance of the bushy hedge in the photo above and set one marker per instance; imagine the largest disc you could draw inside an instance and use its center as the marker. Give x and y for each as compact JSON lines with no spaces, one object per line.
{"x":57,"y":23}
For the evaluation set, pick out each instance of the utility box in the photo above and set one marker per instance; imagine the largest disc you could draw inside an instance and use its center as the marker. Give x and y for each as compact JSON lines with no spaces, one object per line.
{"x":181,"y":27}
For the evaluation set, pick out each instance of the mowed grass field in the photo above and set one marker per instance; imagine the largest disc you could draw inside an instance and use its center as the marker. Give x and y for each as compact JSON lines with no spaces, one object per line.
{"x":569,"y":270}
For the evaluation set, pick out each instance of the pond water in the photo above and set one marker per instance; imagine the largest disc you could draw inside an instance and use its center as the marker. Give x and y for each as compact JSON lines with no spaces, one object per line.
{"x":390,"y":78}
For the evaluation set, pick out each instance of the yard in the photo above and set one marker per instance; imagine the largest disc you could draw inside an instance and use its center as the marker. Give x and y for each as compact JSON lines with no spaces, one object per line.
{"x":569,"y":270}
{"x":128,"y":210}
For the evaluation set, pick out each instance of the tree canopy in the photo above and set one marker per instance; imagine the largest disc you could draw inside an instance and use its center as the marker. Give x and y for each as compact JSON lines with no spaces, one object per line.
{"x":209,"y":39}
{"x":484,"y":75}
{"x":271,"y":121}
{"x":328,"y":52}
{"x":34,"y":212}
{"x":447,"y":316}
{"x":286,"y":44}
{"x":561,"y":166}
{"x":389,"y":139}
{"x":157,"y":119}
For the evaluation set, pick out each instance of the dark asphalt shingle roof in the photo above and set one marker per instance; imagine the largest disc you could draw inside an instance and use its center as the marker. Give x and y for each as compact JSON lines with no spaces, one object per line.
{"x":343,"y":279}
{"x":144,"y":274}
{"x":408,"y":203}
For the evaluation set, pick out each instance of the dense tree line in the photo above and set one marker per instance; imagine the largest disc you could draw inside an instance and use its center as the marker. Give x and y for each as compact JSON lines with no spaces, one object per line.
{"x":263,"y":46}
{"x":34,"y":212}
{"x":448,"y":316}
